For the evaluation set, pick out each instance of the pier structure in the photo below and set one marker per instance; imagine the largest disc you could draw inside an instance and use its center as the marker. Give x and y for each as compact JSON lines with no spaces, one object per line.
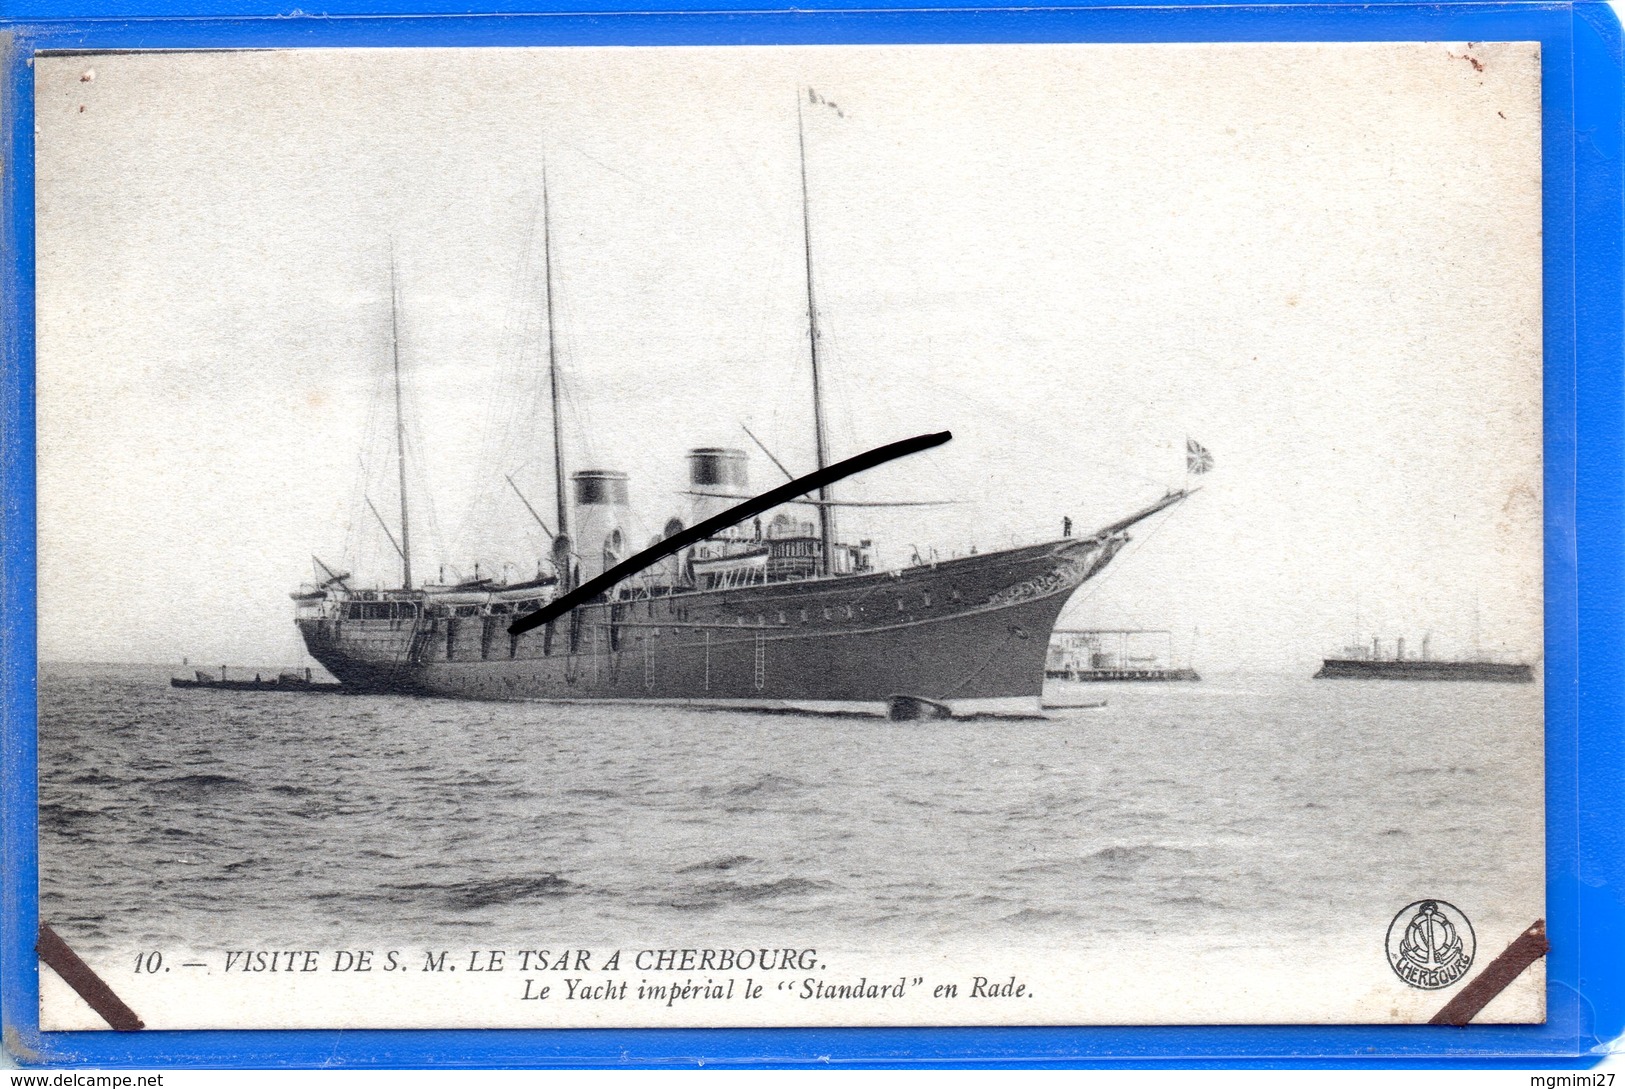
{"x":1114,"y":654}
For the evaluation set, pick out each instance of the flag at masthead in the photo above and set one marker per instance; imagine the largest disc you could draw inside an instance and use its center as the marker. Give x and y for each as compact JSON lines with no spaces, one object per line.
{"x":1197,"y":458}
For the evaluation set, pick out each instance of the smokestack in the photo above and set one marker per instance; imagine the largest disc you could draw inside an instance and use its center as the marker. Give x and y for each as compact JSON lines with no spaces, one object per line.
{"x":600,"y":520}
{"x":720,"y":470}
{"x":1399,"y":650}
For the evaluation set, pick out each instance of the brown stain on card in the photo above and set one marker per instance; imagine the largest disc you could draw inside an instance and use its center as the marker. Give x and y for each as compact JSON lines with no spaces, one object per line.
{"x":1467,"y":55}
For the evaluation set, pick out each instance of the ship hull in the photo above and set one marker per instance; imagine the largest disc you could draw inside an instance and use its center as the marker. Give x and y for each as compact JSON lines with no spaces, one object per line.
{"x":970,"y":631}
{"x":1088,"y":675}
{"x":1362,"y":669}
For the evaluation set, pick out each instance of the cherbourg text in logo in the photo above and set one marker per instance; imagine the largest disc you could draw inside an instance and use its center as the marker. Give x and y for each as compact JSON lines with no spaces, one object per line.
{"x":1430,"y":944}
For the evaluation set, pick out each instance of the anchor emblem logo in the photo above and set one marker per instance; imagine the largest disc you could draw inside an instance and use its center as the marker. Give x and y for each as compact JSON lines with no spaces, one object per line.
{"x":1431,"y":944}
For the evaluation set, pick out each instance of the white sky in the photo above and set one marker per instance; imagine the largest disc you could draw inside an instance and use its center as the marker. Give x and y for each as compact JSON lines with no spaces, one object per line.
{"x":1321,"y":261}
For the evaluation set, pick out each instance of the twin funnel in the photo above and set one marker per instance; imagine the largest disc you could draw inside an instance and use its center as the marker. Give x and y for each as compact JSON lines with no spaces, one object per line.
{"x":718,"y":478}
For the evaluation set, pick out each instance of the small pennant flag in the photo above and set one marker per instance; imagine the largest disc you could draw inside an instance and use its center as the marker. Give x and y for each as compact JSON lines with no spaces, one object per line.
{"x":817,"y":99}
{"x":1197,"y":459}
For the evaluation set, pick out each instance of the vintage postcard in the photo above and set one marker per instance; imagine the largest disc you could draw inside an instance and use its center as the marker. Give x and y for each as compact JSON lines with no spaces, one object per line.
{"x":411,"y":655}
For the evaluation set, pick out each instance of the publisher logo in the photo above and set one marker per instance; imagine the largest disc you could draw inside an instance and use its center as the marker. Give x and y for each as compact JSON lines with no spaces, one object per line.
{"x":1431,"y":944}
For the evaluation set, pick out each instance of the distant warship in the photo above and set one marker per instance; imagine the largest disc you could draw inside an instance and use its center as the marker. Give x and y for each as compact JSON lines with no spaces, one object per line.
{"x":787,"y":613}
{"x":1362,"y":662}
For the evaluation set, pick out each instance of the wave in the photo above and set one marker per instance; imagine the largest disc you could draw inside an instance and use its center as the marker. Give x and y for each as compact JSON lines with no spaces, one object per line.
{"x":57,"y":815}
{"x":499,"y":890}
{"x":770,"y":784}
{"x":200,"y":786}
{"x":95,"y":778}
{"x":592,"y":792}
{"x":1029,"y":916}
{"x":720,"y":893}
{"x":728,"y":863}
{"x":1151,"y":816}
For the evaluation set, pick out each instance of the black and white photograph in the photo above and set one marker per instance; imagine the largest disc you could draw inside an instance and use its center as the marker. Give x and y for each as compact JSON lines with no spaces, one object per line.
{"x":1042,"y":534}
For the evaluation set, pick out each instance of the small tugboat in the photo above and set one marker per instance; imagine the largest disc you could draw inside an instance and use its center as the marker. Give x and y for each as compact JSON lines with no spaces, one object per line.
{"x":289,"y":680}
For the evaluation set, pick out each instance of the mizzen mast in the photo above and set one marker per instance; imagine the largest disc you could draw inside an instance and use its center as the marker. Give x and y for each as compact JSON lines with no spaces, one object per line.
{"x":400,"y":424}
{"x":826,"y":512}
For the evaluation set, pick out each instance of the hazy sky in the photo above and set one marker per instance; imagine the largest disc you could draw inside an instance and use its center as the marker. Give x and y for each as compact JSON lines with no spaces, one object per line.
{"x":1322,"y":262}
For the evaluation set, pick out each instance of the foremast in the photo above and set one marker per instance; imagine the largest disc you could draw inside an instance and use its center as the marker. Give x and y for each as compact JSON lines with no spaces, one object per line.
{"x":561,"y":540}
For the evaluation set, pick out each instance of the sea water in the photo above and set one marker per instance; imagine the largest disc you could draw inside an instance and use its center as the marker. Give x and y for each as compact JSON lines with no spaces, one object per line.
{"x":1250,"y":808}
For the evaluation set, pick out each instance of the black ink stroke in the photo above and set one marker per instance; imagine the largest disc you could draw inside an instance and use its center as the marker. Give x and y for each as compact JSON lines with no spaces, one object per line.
{"x":732,"y":516}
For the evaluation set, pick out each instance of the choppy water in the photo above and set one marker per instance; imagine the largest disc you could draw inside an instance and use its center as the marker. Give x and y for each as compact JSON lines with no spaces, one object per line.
{"x":1221,"y":808}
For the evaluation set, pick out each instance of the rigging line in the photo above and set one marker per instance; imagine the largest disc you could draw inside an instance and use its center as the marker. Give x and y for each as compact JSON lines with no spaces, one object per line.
{"x":561,"y":345}
{"x":788,"y":475}
{"x":385,"y":527}
{"x":733,"y":516}
{"x":557,"y":141}
{"x":373,"y":462}
{"x":422,"y":481}
{"x":480,"y":510}
{"x":1111,"y":569}
{"x":526,"y":502}
{"x":805,"y":502}
{"x":973,"y":674}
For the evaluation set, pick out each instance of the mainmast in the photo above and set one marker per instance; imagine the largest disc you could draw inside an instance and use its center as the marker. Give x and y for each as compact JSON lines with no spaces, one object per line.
{"x":826,"y":513}
{"x":561,"y":549}
{"x":400,"y":423}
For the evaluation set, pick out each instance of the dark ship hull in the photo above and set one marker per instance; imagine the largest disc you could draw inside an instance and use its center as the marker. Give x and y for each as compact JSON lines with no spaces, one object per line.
{"x":1185,"y":674}
{"x":272,"y":685}
{"x":1416,"y":670}
{"x":968,"y":630}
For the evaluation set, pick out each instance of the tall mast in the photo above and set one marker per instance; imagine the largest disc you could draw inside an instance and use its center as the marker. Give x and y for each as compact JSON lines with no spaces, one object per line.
{"x":400,"y":423}
{"x":553,"y":372}
{"x":826,"y":513}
